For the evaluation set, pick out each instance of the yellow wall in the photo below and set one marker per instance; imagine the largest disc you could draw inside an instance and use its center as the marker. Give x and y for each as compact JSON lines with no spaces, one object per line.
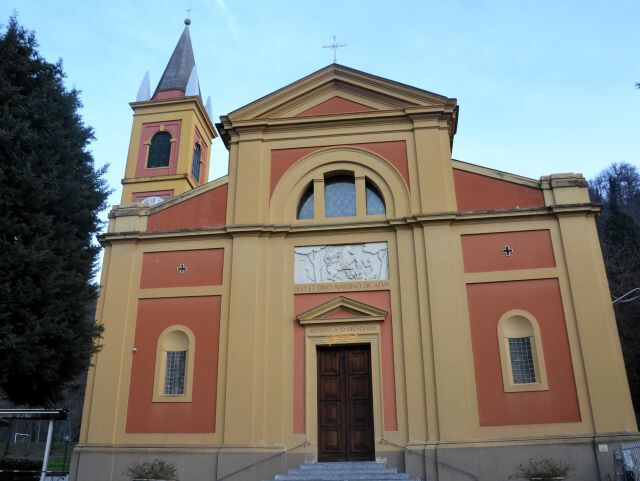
{"x":434,"y":369}
{"x":190,"y":112}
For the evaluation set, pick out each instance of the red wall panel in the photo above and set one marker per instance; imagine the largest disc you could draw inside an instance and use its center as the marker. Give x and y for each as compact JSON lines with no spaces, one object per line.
{"x":531,"y":250}
{"x":395,"y":152}
{"x":204,"y":268}
{"x":202,"y":316}
{"x":336,"y":105}
{"x":479,"y":192}
{"x":208,"y":209}
{"x":487,"y":303}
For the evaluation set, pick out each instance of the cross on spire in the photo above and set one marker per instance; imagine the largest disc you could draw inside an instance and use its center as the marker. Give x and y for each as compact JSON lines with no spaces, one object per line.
{"x":188,"y":10}
{"x":335,"y":46}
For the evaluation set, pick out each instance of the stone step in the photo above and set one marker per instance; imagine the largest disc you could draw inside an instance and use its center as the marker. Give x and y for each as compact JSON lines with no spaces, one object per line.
{"x":344,"y":477}
{"x":344,"y":471}
{"x":341,"y":472}
{"x":345,"y":465}
{"x":369,"y":469}
{"x":341,"y":475}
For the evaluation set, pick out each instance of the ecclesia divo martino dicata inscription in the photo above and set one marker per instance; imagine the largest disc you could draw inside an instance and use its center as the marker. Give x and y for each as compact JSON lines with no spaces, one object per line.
{"x":341,"y":263}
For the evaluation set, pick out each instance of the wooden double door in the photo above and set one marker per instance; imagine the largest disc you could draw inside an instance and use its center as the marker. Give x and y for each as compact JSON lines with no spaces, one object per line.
{"x":345,"y":404}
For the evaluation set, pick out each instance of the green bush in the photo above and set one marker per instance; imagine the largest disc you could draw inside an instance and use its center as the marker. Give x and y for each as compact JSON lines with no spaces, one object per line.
{"x":156,"y":469}
{"x":542,"y":469}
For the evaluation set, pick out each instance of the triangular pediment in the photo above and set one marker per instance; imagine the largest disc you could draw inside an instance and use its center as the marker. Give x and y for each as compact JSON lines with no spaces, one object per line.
{"x":335,"y":90}
{"x":336,"y":105}
{"x":342,"y":309}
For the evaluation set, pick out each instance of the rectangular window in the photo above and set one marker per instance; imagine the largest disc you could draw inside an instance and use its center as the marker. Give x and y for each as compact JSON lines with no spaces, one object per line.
{"x":174,"y":372}
{"x":522,"y":365}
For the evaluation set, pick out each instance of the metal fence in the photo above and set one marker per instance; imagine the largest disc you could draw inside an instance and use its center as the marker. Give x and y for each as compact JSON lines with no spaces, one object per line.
{"x":627,"y":462}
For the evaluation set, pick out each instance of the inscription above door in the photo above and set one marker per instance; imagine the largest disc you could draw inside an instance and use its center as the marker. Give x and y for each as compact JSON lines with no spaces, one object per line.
{"x":345,"y":404}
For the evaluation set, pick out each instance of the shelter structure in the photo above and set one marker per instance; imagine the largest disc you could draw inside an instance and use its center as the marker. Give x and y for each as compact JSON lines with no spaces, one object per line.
{"x":347,"y":292}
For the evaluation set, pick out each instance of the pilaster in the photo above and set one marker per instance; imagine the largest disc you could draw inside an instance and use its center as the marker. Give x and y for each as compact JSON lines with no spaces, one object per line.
{"x":450,"y":332}
{"x":435,"y":174}
{"x":606,"y":379}
{"x":243,"y":383}
{"x":115,"y":315}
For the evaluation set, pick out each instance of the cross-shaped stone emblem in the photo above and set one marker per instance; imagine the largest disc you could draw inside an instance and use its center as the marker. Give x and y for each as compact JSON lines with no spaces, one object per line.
{"x":181,"y":269}
{"x":507,"y":251}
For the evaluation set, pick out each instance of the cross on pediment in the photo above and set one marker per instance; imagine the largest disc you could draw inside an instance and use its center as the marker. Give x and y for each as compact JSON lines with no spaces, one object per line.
{"x":181,"y":269}
{"x":335,"y":46}
{"x":507,"y":251}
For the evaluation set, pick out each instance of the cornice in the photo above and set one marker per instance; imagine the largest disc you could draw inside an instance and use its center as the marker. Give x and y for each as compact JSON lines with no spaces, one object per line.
{"x":494,"y":173}
{"x":138,"y":208}
{"x":175,"y":102}
{"x":424,"y":219}
{"x":338,"y":73}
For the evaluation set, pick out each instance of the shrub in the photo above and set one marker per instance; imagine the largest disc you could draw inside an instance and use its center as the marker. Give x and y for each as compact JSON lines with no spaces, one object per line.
{"x":156,"y":469}
{"x":541,"y":469}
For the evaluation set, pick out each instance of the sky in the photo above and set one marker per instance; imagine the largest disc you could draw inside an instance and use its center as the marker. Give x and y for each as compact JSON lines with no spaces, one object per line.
{"x":543,"y":86}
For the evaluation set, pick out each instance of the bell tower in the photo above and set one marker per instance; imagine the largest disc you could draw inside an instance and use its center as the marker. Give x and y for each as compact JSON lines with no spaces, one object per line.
{"x":172,"y":132}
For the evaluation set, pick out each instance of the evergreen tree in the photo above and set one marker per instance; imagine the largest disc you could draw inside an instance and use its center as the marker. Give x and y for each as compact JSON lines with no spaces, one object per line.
{"x":50,"y":197}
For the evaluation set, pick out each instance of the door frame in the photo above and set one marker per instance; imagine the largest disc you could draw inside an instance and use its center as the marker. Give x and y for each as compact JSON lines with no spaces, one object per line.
{"x":337,"y":335}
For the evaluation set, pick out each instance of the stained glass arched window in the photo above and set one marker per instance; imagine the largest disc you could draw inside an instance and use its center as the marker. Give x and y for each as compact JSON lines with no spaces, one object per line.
{"x":306,"y":205}
{"x":195,"y":166}
{"x":339,"y":196}
{"x":375,"y":202}
{"x":159,"y":150}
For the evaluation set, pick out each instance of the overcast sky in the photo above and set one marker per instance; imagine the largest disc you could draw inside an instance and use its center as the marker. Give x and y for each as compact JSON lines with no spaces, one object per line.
{"x":543,"y":86}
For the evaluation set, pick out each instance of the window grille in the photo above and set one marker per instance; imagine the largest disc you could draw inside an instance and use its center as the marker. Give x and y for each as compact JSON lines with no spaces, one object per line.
{"x":174,"y":372}
{"x":522,"y":365}
{"x":195,"y":167}
{"x":375,"y":204}
{"x":306,"y":206}
{"x":339,"y":196}
{"x":159,"y":150}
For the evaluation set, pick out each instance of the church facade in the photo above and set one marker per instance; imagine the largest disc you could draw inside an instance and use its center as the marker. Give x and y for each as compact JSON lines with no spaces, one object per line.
{"x":347,"y":292}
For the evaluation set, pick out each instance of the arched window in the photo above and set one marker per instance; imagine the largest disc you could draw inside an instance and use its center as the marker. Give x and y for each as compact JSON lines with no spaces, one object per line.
{"x":306,"y":206}
{"x":195,"y":166}
{"x":175,"y":346}
{"x":375,"y":202}
{"x":159,"y":150}
{"x":521,"y":353}
{"x":174,"y":365}
{"x":339,"y":196}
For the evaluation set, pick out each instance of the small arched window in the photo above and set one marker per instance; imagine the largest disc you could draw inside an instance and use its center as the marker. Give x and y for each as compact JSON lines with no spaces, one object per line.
{"x":375,"y":202}
{"x":340,"y":196}
{"x":521,"y":353}
{"x":174,"y":365}
{"x":159,"y":150}
{"x":306,"y":205}
{"x":195,"y":166}
{"x":176,"y":347}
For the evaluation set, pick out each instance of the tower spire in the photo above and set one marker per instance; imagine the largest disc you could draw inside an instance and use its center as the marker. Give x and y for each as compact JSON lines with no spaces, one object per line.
{"x":181,"y":66}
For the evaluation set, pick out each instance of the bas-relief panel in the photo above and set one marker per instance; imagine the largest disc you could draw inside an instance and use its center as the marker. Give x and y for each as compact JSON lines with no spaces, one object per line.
{"x":341,"y":263}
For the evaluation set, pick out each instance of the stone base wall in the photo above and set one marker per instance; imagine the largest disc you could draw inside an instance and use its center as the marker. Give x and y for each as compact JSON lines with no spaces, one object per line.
{"x":591,"y":461}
